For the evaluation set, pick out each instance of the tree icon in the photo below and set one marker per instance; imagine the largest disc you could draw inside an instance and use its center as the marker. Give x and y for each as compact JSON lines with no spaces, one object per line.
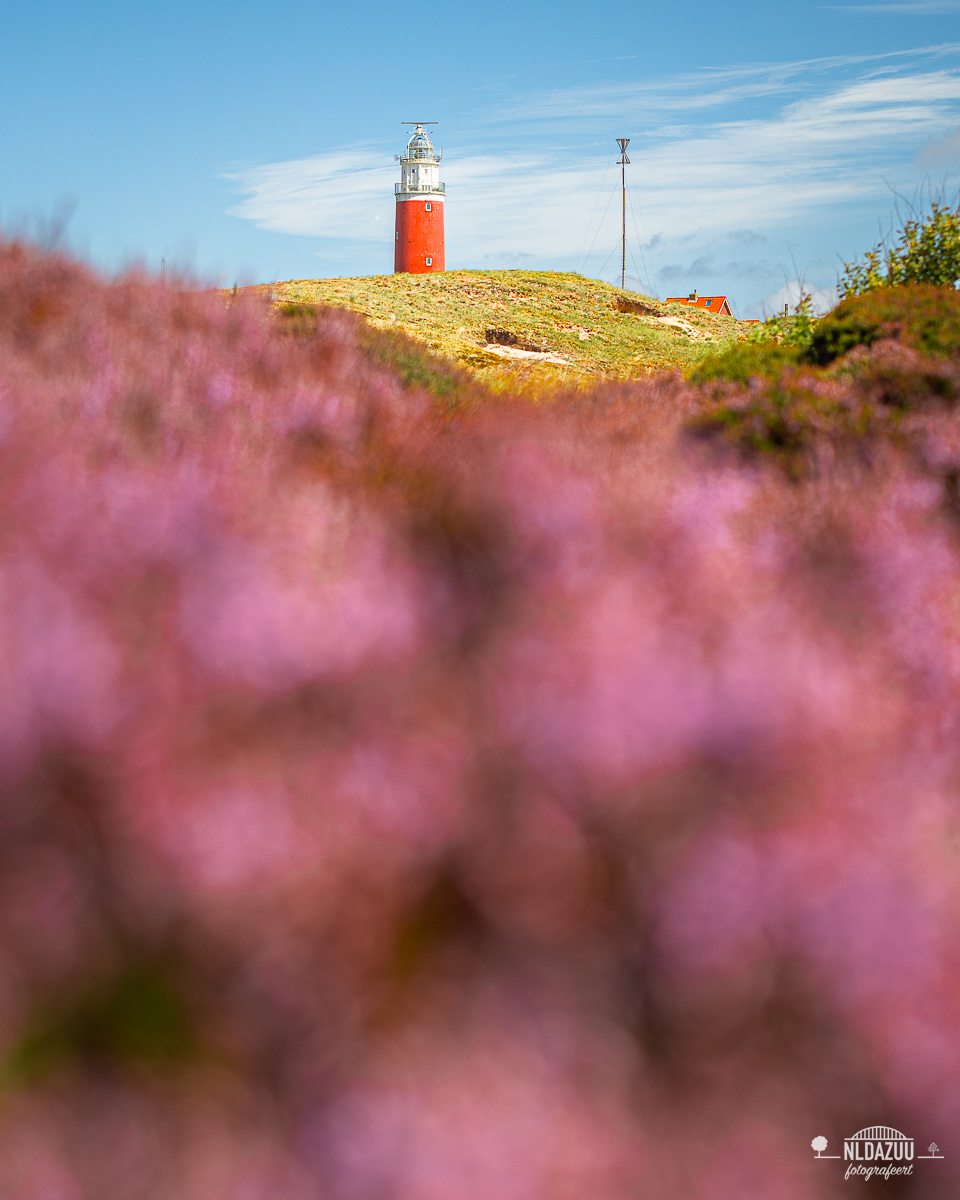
{"x":819,"y":1144}
{"x":933,"y":1147}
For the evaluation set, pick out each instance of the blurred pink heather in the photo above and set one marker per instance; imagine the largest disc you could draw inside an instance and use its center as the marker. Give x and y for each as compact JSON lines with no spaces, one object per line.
{"x":508,"y":802}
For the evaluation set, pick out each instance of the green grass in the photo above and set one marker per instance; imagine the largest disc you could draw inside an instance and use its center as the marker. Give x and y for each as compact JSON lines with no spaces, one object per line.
{"x":413,"y":362}
{"x":450,"y":312}
{"x":741,"y":362}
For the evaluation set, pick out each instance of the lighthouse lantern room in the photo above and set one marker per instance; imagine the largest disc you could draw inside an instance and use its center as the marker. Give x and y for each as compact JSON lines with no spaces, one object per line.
{"x":418,"y":242}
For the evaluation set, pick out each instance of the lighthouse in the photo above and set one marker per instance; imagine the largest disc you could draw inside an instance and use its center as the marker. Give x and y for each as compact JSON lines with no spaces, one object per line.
{"x":418,"y":242}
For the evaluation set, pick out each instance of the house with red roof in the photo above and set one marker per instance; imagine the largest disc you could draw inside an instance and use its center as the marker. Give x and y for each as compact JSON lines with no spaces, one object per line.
{"x":713,"y":304}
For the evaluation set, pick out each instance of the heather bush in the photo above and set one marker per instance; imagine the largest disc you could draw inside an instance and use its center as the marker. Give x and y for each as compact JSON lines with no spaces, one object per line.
{"x":491,"y":800}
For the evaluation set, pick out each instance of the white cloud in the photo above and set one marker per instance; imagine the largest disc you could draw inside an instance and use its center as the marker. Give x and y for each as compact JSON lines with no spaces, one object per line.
{"x":940,"y":152}
{"x":822,"y":299}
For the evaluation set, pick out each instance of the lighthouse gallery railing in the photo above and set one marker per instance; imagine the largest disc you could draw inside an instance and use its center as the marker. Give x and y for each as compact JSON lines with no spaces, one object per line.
{"x":419,"y":187}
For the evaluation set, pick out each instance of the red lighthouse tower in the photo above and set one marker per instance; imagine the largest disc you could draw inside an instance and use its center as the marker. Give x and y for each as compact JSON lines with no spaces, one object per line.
{"x":419,"y":236}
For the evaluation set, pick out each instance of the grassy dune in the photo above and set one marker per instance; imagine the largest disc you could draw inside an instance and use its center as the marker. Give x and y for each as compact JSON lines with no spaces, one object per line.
{"x":572,"y":318}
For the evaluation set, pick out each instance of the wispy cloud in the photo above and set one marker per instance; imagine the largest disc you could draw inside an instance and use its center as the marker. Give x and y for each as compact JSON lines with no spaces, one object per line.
{"x":337,"y":195}
{"x":708,"y":88}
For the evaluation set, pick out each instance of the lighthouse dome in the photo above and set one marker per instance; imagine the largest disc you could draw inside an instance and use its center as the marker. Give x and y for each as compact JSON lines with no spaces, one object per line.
{"x":420,"y":145}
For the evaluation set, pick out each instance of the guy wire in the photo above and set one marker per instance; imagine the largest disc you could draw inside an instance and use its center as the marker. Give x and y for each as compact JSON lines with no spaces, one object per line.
{"x":592,"y":215}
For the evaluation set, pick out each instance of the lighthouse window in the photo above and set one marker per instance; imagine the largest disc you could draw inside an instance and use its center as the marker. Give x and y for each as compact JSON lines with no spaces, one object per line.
{"x":429,"y":262}
{"x":429,"y":206}
{"x":397,"y":235}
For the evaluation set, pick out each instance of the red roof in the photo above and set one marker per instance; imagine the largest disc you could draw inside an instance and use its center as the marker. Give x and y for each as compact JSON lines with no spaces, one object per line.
{"x":715,"y":304}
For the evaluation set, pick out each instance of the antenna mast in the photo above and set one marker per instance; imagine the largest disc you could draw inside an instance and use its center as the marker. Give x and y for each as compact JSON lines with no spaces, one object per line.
{"x":623,"y":143}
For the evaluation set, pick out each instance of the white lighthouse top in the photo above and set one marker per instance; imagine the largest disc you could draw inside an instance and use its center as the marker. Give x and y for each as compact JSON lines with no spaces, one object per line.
{"x":420,"y":146}
{"x":419,"y":167}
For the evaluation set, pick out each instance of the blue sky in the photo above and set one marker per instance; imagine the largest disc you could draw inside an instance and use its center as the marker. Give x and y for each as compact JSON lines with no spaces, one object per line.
{"x":253,"y":142}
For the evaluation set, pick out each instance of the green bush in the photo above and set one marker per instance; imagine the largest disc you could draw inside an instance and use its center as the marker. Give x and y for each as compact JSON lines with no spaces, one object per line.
{"x":764,"y":352}
{"x":905,"y":291}
{"x":797,"y":407}
{"x":927,"y":250}
{"x":746,"y":360}
{"x":925,"y":318}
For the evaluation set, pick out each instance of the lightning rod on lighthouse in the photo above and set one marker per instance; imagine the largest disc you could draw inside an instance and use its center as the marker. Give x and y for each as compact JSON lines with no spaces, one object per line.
{"x":418,"y":239}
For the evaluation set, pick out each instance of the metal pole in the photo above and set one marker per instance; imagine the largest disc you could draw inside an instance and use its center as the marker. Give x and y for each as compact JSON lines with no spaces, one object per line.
{"x":623,"y":143}
{"x":623,"y":262}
